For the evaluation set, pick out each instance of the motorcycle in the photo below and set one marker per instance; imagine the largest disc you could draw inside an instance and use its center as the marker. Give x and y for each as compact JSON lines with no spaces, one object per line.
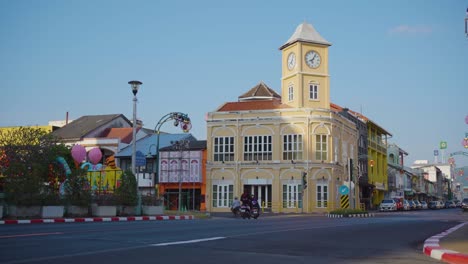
{"x":255,"y":209}
{"x":247,"y":213}
{"x":236,"y":211}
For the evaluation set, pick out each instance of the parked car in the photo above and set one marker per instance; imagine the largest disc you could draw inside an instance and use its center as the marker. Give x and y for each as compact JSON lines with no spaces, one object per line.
{"x":399,"y":203}
{"x":450,"y":204}
{"x":412,"y":205}
{"x":388,"y":205}
{"x":424,"y":205}
{"x":418,"y":204}
{"x":406,"y":205}
{"x":433,"y":205}
{"x":441,"y":204}
{"x":464,"y":204}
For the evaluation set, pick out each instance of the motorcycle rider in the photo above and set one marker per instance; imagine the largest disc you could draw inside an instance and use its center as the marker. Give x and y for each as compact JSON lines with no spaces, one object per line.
{"x":235,"y":205}
{"x":254,"y":202}
{"x":246,"y":199}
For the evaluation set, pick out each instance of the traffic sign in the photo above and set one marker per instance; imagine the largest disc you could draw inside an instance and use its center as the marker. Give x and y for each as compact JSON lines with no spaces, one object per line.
{"x":344,"y":190}
{"x":344,"y":201}
{"x":140,"y":159}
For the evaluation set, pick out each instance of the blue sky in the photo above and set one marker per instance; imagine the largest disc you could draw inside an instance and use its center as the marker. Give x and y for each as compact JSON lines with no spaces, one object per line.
{"x":404,"y":64}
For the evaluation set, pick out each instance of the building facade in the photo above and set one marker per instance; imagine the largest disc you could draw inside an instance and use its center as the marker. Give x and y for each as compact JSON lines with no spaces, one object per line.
{"x":290,"y":150}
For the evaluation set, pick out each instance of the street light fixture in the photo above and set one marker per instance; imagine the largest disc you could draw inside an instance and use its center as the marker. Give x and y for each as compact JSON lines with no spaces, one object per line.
{"x":179,"y":118}
{"x":135,"y":85}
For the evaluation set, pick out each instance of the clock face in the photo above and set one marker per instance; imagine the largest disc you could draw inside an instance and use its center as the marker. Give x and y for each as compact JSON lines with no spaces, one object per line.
{"x":291,"y":60}
{"x":312,"y":59}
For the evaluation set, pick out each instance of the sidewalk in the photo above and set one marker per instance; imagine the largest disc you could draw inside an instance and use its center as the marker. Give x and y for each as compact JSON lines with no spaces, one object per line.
{"x":450,"y":246}
{"x":97,"y":219}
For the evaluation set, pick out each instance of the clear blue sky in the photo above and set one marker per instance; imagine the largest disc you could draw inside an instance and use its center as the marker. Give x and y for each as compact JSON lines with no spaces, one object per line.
{"x":404,"y":64}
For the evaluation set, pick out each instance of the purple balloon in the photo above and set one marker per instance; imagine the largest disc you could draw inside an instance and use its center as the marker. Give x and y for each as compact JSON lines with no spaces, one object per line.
{"x":78,"y":153}
{"x":95,"y":155}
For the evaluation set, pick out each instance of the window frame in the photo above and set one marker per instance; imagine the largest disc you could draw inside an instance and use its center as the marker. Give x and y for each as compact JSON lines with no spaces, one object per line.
{"x":293,"y":147}
{"x":258,"y":147}
{"x":292,"y":195}
{"x":291,"y":93}
{"x":223,"y":148}
{"x":222,"y":195}
{"x":321,"y":147}
{"x":313,"y":91}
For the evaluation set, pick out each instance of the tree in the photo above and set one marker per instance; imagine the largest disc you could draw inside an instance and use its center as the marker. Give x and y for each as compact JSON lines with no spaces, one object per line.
{"x":29,"y":164}
{"x":77,"y":189}
{"x":126,"y":193}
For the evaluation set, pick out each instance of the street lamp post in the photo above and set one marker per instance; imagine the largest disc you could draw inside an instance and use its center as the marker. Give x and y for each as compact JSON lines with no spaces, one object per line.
{"x":135,"y":85}
{"x":179,"y":118}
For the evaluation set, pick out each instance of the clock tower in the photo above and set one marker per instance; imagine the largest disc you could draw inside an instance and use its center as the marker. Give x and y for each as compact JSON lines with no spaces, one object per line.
{"x":305,"y":82}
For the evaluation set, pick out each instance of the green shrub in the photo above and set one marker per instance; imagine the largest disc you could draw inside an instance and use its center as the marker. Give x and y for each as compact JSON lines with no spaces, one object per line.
{"x":77,"y":189}
{"x":107,"y":199}
{"x":126,"y":194}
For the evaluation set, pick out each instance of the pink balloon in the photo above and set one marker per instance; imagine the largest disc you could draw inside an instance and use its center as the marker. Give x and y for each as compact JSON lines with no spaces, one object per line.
{"x":95,"y":155}
{"x":78,"y":153}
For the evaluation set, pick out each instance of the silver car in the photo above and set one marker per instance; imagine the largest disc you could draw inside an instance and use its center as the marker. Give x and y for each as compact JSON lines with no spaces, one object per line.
{"x":388,"y":205}
{"x":464,"y":204}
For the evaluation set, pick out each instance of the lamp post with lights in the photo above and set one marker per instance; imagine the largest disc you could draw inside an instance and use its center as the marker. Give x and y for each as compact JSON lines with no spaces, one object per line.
{"x":135,"y":85}
{"x":179,"y":119}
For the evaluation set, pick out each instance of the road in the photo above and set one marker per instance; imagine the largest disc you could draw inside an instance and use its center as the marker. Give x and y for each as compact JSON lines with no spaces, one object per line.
{"x":386,"y":238}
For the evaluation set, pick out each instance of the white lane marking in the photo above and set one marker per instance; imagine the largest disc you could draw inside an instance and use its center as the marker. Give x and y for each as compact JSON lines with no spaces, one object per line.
{"x":187,"y":241}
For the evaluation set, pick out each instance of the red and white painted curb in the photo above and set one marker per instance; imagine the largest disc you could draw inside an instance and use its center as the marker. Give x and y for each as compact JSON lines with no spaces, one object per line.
{"x":434,"y":250}
{"x":98,"y":219}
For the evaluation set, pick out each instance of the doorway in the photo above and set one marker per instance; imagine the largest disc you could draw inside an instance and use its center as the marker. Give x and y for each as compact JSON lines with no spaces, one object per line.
{"x":263,"y":194}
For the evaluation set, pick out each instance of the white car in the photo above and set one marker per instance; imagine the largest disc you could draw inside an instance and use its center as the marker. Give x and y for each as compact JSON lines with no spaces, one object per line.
{"x":424,"y":204}
{"x":388,"y":205}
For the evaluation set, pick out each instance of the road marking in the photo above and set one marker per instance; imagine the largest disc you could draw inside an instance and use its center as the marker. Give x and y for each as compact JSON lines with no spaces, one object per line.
{"x":29,"y":235}
{"x":187,"y":241}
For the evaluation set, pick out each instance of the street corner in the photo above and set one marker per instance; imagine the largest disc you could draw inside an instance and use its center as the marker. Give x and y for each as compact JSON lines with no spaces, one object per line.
{"x":449,"y":254}
{"x":97,"y":219}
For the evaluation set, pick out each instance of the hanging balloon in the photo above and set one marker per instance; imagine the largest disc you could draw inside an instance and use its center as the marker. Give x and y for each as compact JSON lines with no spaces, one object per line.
{"x":78,"y":153}
{"x":95,"y":155}
{"x":466,"y":119}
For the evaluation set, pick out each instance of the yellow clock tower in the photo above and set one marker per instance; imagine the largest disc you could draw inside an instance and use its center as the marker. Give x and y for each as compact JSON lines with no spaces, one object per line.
{"x":305,"y":81}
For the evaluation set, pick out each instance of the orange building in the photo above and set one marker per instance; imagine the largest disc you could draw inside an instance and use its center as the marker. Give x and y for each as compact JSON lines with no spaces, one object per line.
{"x":182,"y":175}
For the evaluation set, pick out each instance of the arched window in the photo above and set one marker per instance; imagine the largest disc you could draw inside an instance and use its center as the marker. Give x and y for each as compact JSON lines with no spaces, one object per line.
{"x":313,"y":91}
{"x":291,"y":92}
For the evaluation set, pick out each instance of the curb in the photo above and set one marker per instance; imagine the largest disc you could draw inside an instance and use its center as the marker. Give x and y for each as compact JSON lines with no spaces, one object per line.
{"x":434,"y":250}
{"x":98,"y":219}
{"x":351,"y":215}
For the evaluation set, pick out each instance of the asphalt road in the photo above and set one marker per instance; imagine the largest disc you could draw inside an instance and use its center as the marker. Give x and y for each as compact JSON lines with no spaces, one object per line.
{"x":386,"y":238}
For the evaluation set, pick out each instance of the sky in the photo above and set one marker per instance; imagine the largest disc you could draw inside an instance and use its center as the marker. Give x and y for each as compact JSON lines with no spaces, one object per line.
{"x":403,"y":64}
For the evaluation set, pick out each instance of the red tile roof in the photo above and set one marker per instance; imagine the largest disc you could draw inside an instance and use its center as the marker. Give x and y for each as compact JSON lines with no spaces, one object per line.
{"x":338,"y":108}
{"x":260,"y":91}
{"x":252,"y":105}
{"x":125,"y":134}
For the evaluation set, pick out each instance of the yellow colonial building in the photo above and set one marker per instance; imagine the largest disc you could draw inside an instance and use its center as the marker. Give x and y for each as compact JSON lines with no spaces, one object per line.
{"x":290,"y":150}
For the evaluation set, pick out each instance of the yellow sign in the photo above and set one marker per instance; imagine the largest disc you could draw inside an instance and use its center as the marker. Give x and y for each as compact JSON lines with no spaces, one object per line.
{"x":106,"y":180}
{"x":344,"y":201}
